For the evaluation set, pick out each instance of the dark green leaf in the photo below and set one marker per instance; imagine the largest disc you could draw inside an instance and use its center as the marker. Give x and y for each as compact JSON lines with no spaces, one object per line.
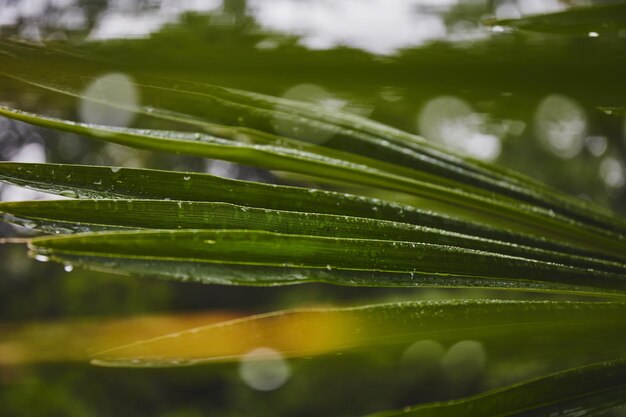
{"x":220,"y":256}
{"x":93,"y":215}
{"x":537,"y":220}
{"x":581,"y":391}
{"x":125,"y":183}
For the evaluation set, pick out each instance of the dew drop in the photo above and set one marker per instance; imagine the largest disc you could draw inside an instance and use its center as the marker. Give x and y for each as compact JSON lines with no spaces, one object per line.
{"x":42,"y":258}
{"x":115,"y":169}
{"x":186,"y":178}
{"x":69,"y":194}
{"x":29,"y":225}
{"x":68,"y":267}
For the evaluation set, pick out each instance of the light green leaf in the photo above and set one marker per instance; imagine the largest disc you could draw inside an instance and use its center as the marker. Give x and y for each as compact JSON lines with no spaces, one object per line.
{"x":314,"y":331}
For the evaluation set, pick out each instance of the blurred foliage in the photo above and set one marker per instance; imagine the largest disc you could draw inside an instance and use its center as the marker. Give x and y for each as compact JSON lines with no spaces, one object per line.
{"x":502,"y":76}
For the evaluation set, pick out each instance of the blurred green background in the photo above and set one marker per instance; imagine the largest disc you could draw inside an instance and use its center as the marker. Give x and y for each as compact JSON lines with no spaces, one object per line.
{"x":549,"y":104}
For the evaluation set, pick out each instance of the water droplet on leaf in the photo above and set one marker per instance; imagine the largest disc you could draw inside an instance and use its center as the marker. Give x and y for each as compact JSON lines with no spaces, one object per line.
{"x":69,"y":194}
{"x":42,"y":258}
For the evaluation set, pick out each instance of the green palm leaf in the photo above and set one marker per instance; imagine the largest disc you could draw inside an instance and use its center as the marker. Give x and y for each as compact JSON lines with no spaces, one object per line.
{"x":125,"y":183}
{"x":314,"y":331}
{"x":192,"y":254}
{"x":497,"y":229}
{"x":533,"y":219}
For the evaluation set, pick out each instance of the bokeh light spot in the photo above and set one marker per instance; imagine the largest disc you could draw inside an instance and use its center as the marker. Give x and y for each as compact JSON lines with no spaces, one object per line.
{"x":561,"y":125}
{"x":612,"y":172}
{"x":465,"y":360}
{"x":264,"y":369}
{"x":452,"y":122}
{"x":425,"y":354}
{"x":304,"y":129}
{"x":596,"y":145}
{"x":112,"y":99}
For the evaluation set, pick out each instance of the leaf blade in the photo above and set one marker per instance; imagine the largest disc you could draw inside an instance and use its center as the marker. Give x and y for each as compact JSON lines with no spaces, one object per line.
{"x":580,"y":391}
{"x":95,"y":215}
{"x":326,"y":330}
{"x":297,"y":254}
{"x":533,"y":219}
{"x":124,"y":183}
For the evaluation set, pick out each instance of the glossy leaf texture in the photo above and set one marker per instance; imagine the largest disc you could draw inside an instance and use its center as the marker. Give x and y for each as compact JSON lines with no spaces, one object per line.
{"x":410,"y":252}
{"x":580,"y":391}
{"x":533,"y":235}
{"x":269,"y":258}
{"x":533,"y":219}
{"x":94,"y":215}
{"x":127,"y":183}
